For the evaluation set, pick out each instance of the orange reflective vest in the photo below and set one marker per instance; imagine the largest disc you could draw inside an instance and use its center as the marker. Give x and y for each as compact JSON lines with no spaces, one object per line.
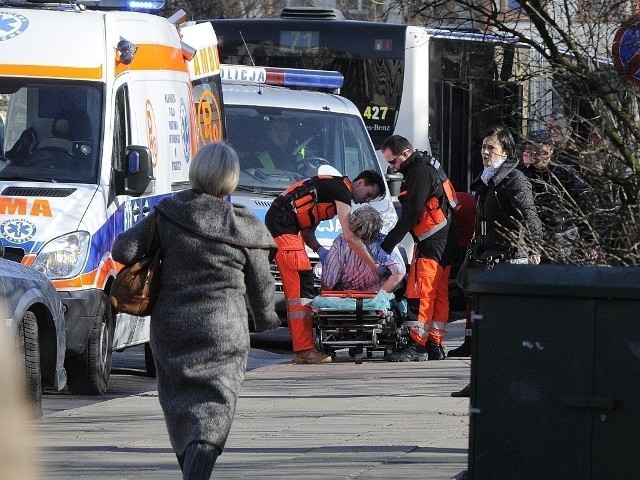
{"x":434,"y":215}
{"x":303,"y":197}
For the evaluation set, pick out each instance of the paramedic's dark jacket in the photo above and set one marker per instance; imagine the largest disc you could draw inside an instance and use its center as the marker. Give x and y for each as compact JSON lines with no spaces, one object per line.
{"x":420,"y":181}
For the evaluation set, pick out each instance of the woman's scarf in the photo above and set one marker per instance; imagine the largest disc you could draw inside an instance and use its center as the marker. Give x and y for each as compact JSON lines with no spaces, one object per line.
{"x":490,"y":170}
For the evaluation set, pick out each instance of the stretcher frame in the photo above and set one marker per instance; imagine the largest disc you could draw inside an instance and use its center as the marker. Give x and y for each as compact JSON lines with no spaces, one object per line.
{"x":361,"y":330}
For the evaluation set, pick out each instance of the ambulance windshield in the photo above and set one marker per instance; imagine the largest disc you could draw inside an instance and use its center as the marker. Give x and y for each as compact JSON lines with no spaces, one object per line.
{"x":277,"y":146}
{"x":49,"y":131}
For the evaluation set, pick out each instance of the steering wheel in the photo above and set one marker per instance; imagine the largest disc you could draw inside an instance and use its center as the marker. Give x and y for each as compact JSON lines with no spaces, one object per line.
{"x":302,"y":145}
{"x":49,"y":157}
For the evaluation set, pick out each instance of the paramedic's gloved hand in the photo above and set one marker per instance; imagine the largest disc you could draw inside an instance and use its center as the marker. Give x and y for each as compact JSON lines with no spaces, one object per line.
{"x":383,"y":271}
{"x":322,"y":253}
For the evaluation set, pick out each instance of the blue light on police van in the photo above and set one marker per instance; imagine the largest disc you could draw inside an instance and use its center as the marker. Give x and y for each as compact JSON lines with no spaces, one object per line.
{"x":298,"y":77}
{"x":285,"y":77}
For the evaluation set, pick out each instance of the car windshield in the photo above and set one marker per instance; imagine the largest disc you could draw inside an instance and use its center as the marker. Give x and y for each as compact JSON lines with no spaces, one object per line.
{"x":49,"y":131}
{"x":278,"y":147}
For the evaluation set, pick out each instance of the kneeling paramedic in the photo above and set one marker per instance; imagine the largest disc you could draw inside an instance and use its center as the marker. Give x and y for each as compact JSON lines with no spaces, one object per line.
{"x":292,"y":220}
{"x":427,"y":200}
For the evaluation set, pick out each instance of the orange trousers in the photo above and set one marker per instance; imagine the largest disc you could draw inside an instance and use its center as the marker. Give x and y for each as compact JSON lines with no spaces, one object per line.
{"x":428,"y":300}
{"x":297,"y":282}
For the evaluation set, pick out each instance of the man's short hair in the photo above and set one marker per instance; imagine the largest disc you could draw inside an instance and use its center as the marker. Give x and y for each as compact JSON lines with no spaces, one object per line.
{"x":371,"y":177}
{"x":396,"y":144}
{"x":365,"y":223}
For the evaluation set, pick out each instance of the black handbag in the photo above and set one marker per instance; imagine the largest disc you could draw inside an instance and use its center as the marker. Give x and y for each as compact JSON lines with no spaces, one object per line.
{"x":472,"y":266}
{"x":136,"y":286}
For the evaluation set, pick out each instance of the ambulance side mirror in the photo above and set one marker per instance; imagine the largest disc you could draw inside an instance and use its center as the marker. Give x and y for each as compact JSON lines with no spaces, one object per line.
{"x":138,"y":170}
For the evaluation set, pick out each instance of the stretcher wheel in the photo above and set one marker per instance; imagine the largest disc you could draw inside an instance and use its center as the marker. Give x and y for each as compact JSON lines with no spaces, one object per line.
{"x":369,"y":353}
{"x":353,"y":351}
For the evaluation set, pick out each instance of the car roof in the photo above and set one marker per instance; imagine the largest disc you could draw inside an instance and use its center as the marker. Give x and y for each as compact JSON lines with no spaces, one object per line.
{"x":235,"y":93}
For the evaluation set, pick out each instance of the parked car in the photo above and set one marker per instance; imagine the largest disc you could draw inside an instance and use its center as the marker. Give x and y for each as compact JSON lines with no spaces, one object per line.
{"x":31,"y":311}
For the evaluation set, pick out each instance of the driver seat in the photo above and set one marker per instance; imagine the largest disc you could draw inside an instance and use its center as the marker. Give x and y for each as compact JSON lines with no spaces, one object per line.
{"x":67,"y":127}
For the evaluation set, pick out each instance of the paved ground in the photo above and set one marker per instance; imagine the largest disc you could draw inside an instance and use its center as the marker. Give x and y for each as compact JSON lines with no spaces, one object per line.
{"x":375,"y":420}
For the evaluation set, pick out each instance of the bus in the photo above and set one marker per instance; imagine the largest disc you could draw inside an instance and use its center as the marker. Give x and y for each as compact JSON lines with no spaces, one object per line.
{"x":439,"y":88}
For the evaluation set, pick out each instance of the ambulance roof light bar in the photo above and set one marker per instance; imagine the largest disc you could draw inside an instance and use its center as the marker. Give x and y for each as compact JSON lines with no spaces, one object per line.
{"x":285,"y":77}
{"x":132,"y":5}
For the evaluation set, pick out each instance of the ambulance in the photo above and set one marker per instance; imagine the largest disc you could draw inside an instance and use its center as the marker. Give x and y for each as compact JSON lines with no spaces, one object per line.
{"x":101,"y":111}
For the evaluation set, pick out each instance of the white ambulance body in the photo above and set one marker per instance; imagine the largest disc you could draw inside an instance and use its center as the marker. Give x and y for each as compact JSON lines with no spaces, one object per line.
{"x":100,"y":120}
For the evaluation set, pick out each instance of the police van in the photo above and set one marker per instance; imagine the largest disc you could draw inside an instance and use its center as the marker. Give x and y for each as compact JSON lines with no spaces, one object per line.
{"x":101,"y":113}
{"x":285,"y":130}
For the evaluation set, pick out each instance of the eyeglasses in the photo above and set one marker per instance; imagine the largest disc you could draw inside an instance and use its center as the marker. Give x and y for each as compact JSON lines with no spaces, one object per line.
{"x":395,"y":159}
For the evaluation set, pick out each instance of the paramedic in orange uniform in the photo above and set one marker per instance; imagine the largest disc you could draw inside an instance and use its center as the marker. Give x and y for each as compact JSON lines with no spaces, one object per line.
{"x":427,"y":200}
{"x":292,"y":220}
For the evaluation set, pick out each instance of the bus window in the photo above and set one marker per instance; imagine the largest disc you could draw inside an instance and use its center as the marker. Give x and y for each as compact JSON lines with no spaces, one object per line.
{"x":438,"y":88}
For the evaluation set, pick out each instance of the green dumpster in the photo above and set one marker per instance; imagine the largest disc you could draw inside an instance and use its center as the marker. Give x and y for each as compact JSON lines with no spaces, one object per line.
{"x":555,"y":373}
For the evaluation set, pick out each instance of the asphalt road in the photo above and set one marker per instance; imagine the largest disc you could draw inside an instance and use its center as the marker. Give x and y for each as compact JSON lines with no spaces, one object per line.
{"x":128,"y":374}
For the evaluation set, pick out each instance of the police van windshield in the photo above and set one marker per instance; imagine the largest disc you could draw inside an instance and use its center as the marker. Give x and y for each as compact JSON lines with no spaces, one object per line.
{"x":50,"y":131}
{"x":278,"y":147}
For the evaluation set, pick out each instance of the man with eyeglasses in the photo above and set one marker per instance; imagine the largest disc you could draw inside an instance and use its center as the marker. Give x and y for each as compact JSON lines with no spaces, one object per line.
{"x":427,"y":200}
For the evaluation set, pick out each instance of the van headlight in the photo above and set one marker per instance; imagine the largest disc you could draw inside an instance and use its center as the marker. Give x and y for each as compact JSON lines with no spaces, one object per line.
{"x":65,"y":256}
{"x":389,"y":218}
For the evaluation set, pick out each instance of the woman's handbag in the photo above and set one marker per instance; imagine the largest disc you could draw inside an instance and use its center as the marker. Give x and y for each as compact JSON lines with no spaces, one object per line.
{"x":472,"y":266}
{"x":135,"y":287}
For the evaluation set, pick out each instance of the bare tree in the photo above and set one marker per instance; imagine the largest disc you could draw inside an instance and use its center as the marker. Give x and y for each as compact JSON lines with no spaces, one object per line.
{"x":571,"y":77}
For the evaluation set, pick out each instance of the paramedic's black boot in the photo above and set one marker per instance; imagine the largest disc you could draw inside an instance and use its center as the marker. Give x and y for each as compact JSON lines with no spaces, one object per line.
{"x":463,"y":350}
{"x":435,"y":352}
{"x":412,"y":352}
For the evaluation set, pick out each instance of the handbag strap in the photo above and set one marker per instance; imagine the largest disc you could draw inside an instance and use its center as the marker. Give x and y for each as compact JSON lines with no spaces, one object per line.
{"x":152,"y":234}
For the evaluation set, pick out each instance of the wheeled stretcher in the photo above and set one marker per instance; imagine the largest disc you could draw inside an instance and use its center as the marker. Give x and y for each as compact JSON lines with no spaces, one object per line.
{"x":360,"y":321}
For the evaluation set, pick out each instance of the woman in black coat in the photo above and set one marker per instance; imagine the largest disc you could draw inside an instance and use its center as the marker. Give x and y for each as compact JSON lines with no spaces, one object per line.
{"x":507,"y":225}
{"x":215,"y":266}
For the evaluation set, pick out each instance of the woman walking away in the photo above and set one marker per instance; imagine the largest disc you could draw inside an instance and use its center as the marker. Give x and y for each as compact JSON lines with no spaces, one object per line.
{"x":214,"y":253}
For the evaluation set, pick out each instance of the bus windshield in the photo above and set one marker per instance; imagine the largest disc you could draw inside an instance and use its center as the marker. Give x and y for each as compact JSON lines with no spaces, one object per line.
{"x":373,"y":68}
{"x":50,"y":130}
{"x":297,"y":143}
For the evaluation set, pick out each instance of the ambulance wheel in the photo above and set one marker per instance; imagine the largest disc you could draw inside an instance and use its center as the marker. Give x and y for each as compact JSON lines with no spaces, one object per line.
{"x":29,"y":344}
{"x":88,"y":373}
{"x":149,"y":363}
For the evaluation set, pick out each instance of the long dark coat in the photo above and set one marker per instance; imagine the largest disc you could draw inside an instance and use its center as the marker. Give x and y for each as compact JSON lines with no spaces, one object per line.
{"x":214,"y":253}
{"x":505,"y":211}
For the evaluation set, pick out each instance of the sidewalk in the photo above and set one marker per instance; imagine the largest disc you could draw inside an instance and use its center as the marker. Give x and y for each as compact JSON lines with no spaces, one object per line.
{"x":375,"y":420}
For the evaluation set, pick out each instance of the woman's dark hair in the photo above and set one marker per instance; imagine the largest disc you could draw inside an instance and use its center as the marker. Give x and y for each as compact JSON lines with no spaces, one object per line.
{"x":505,"y":138}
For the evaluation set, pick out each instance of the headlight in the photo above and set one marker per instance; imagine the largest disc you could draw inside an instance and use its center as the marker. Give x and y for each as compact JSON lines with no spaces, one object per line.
{"x":65,"y":256}
{"x":389,"y":218}
{"x":317,"y":270}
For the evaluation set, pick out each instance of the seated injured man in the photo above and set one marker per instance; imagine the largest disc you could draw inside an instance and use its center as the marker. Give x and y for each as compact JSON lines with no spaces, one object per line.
{"x":342,"y":269}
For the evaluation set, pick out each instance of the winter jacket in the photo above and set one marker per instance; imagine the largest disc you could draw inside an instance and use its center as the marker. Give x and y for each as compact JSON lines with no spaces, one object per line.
{"x":216,"y":265}
{"x":420,"y":182}
{"x":505,"y":211}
